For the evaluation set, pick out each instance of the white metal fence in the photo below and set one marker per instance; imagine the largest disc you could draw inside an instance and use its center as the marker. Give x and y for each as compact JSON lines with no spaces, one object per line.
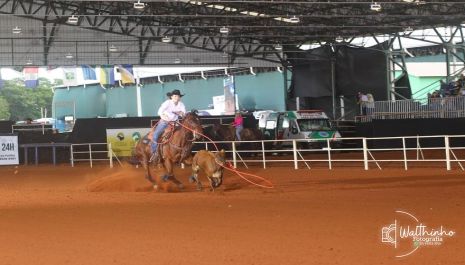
{"x":444,"y":151}
{"x":447,"y":107}
{"x":91,"y":152}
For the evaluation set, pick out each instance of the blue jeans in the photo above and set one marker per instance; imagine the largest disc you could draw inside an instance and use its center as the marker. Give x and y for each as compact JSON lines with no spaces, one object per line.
{"x":161,"y":126}
{"x":238,"y":132}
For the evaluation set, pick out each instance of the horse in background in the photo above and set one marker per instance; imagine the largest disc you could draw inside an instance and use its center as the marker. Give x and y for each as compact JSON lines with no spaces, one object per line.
{"x":227,"y":132}
{"x":211,"y":164}
{"x":175,"y":147}
{"x":220,"y":132}
{"x":250,"y":134}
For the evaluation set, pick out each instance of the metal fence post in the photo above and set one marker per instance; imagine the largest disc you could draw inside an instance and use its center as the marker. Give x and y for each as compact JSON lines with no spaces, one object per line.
{"x":263,"y":154}
{"x":447,"y":148}
{"x":90,"y":155}
{"x":405,"y":153}
{"x":294,"y":150}
{"x":329,"y":154}
{"x":111,"y":155}
{"x":71,"y":149}
{"x":365,"y":153}
{"x":234,"y":154}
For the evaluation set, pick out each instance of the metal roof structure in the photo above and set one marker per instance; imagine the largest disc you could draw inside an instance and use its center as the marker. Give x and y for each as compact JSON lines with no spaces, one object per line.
{"x":174,"y":32}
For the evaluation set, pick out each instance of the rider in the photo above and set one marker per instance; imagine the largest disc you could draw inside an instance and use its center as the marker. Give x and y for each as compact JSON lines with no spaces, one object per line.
{"x":171,"y":110}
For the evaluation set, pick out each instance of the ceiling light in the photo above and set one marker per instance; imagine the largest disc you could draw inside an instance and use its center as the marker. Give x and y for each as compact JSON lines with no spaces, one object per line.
{"x":73,"y":19}
{"x":278,"y":47}
{"x":113,"y":48}
{"x":375,"y":7}
{"x":224,"y":30}
{"x":225,"y":55}
{"x":339,"y":39}
{"x":16,"y":30}
{"x":166,"y":39}
{"x":294,"y":19}
{"x":177,"y":61}
{"x":139,"y":5}
{"x":29,"y":62}
{"x":69,"y":56}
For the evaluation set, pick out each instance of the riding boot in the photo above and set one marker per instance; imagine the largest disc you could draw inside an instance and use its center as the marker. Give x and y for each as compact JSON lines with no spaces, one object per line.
{"x":154,"y":147}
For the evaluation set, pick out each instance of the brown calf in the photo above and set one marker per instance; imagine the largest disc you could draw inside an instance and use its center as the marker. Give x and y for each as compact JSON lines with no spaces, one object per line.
{"x":211,"y":164}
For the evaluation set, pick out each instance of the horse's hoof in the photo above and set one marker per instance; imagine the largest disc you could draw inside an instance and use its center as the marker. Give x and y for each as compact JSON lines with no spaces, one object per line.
{"x":180,"y":186}
{"x":191,"y":179}
{"x":165,"y":178}
{"x":155,"y":187}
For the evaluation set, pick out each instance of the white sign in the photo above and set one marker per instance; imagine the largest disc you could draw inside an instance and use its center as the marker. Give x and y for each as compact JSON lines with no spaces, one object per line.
{"x":9,"y":150}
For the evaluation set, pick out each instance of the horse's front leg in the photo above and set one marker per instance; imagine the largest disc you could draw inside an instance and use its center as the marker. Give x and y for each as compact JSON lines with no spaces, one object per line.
{"x":168,"y":165}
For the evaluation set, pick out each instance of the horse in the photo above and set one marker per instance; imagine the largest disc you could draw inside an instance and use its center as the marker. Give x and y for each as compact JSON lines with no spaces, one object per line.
{"x":250,"y":134}
{"x":175,"y":147}
{"x":211,"y":164}
{"x":221,"y":132}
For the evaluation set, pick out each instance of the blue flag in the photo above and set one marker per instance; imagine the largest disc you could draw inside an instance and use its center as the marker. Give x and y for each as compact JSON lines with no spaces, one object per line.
{"x":88,"y":72}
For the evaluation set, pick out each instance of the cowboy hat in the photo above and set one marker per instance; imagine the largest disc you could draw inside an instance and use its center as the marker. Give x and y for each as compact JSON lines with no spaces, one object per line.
{"x":174,"y":92}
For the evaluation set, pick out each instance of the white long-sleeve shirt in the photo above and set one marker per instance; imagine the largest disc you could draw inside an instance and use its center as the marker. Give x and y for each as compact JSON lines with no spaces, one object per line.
{"x":167,"y":109}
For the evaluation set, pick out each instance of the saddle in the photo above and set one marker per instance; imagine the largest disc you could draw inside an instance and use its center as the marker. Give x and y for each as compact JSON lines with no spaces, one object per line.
{"x":163,"y":139}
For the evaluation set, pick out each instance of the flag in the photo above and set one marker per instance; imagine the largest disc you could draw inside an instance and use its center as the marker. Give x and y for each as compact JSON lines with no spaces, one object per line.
{"x":31,"y":77}
{"x":70,"y":78}
{"x":88,"y":72}
{"x":127,"y":74}
{"x":107,"y":75}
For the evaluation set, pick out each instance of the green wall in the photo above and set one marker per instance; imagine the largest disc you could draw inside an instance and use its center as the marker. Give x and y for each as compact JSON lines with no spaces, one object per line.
{"x":89,"y":102}
{"x":262,"y":91}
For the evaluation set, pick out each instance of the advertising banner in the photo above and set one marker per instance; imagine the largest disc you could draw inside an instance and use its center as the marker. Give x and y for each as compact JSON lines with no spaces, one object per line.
{"x":229,"y":99}
{"x":9,"y":150}
{"x":124,"y":140}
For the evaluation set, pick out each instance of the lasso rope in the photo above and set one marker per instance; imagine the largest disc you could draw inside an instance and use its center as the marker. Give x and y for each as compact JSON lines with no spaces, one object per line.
{"x":232,"y":169}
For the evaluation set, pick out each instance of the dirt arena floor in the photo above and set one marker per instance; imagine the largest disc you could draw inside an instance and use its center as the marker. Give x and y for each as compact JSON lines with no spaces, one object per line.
{"x":63,"y":215}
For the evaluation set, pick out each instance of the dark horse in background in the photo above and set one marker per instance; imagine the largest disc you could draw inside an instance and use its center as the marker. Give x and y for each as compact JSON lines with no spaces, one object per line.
{"x":226,"y":132}
{"x":175,"y":146}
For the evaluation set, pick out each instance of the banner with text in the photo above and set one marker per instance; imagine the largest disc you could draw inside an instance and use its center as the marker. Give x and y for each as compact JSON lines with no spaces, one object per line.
{"x":229,"y":91}
{"x":9,"y":150}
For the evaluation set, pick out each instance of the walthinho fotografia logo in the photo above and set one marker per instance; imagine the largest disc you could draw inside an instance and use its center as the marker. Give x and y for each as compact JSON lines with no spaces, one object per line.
{"x":407,"y":234}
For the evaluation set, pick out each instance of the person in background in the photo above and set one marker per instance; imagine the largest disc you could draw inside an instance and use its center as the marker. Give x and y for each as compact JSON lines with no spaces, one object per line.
{"x":238,"y":124}
{"x":170,"y":110}
{"x":362,"y":100}
{"x":370,"y":104}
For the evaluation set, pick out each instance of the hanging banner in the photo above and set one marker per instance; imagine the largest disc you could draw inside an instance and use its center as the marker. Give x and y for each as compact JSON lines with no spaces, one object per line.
{"x":229,"y":91}
{"x":124,"y":140}
{"x":9,"y":150}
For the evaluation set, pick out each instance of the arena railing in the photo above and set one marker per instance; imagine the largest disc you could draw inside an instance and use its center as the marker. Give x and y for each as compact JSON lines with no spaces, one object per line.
{"x":92,"y":152}
{"x":406,"y":151}
{"x":446,"y":107}
{"x":31,"y":128}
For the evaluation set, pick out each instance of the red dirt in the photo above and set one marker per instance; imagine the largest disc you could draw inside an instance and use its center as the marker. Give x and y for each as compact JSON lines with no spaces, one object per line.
{"x":59,"y":215}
